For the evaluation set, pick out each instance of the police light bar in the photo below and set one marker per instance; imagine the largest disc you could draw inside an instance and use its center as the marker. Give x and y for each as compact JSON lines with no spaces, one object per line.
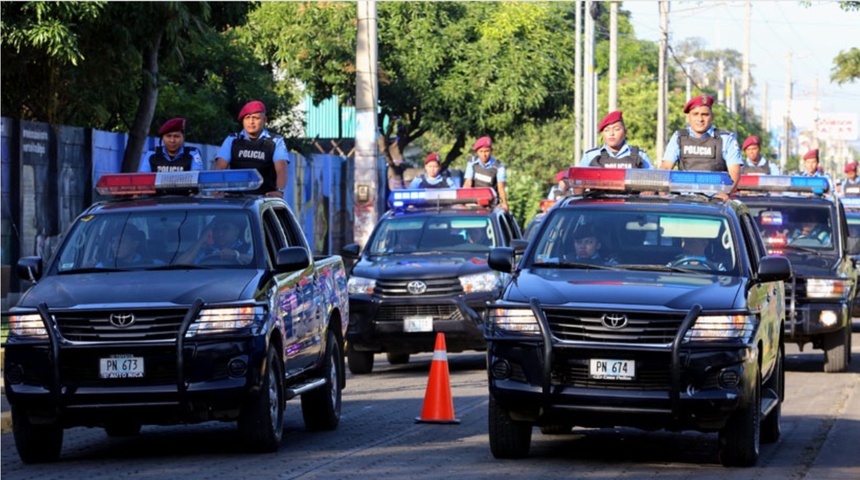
{"x":546,"y":204}
{"x":648,"y":180}
{"x":173,"y":182}
{"x":851,"y":203}
{"x":400,"y":199}
{"x":784,"y":183}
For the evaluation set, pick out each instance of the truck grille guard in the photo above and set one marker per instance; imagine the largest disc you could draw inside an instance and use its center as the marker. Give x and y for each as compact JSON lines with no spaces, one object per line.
{"x":675,"y":347}
{"x":54,"y":338}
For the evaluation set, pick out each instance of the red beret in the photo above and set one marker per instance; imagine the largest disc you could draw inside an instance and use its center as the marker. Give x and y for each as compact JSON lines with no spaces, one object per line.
{"x":753,"y":140}
{"x":172,"y":125}
{"x":560,"y":176}
{"x":252,"y":107}
{"x":811,"y":154}
{"x":483,"y":142}
{"x":850,"y":167}
{"x":699,"y":101}
{"x":609,"y":119}
{"x":431,"y":158}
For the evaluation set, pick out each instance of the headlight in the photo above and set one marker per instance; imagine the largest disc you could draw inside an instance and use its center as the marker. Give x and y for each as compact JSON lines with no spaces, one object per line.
{"x":360,"y":285}
{"x":225,"y":320}
{"x":480,"y":282}
{"x":28,"y":326}
{"x":721,"y":327}
{"x":821,"y":288}
{"x":502,"y":320}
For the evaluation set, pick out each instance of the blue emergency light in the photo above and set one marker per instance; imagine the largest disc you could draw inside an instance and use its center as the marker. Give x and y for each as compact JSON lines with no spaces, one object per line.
{"x":402,"y":199}
{"x":172,"y":182}
{"x":649,"y":180}
{"x":784,"y":183}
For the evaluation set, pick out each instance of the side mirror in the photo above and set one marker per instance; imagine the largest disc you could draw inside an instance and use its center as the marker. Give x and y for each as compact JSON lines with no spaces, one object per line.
{"x":30,"y":269}
{"x":291,"y":259}
{"x":351,"y":250}
{"x":774,"y":269}
{"x":502,"y":259}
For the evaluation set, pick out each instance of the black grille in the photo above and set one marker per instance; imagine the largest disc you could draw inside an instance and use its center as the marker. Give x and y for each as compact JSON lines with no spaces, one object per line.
{"x":395,"y":313}
{"x":588,"y":326}
{"x":95,"y":326}
{"x":799,"y":289}
{"x":436,"y":286}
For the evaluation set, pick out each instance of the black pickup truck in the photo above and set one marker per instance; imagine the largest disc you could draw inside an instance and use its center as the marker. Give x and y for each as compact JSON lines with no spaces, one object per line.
{"x":162,"y":307}
{"x":640,"y":310}
{"x":424,"y":270}
{"x":801,"y":221}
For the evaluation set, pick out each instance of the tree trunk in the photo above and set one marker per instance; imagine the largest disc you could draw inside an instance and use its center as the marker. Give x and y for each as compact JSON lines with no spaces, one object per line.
{"x":146,"y":107}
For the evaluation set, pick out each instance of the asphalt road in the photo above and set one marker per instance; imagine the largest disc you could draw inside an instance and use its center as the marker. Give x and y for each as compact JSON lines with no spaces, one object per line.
{"x":378,"y":438}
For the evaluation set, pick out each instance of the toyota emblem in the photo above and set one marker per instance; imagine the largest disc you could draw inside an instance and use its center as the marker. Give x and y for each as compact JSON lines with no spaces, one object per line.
{"x":121,"y":320}
{"x":614,"y":320}
{"x":416,"y":287}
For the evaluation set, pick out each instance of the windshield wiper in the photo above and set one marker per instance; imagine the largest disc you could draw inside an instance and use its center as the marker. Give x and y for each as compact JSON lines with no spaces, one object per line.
{"x":90,"y":270}
{"x":575,"y":265}
{"x":179,"y":266}
{"x":803,"y":249}
{"x":659,"y":268}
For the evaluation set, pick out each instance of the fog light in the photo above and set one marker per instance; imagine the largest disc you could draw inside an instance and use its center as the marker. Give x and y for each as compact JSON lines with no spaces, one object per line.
{"x":237,"y":368}
{"x":15,"y":374}
{"x":729,"y":379}
{"x":501,"y":369}
{"x":828,"y":318}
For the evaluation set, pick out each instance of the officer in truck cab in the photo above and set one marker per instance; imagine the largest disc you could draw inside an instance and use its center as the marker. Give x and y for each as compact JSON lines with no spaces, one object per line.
{"x":484,"y":170}
{"x":755,"y":163}
{"x":432,"y":176}
{"x":615,"y":152}
{"x":172,"y":155}
{"x":700,"y":146}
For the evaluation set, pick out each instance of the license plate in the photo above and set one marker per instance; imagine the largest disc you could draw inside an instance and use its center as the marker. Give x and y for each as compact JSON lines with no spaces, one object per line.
{"x":417,"y":324}
{"x":613,"y":369}
{"x":121,"y":367}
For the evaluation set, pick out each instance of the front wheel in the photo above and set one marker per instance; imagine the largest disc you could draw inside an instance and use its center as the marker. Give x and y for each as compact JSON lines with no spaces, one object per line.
{"x":359,"y":362}
{"x":321,"y":407}
{"x":740,"y":439}
{"x":508,"y":438}
{"x":36,"y":443}
{"x":837,"y":347}
{"x":261,"y":421}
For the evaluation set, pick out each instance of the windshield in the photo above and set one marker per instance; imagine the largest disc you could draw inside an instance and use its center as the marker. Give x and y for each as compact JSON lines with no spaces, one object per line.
{"x":433,"y":234}
{"x":636,"y":240}
{"x":157,"y":240}
{"x":794,"y":228}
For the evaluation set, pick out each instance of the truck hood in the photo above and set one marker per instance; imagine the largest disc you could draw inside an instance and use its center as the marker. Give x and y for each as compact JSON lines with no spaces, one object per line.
{"x":631,"y":289}
{"x":418,"y":266}
{"x":810,"y":265}
{"x":174,"y":287}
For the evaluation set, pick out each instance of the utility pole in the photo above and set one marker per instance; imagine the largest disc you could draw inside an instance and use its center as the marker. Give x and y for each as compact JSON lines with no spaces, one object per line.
{"x":662,"y":73}
{"x":588,"y":123}
{"x":577,"y":85}
{"x":745,"y":79}
{"x":786,"y":147}
{"x":764,"y":119}
{"x":721,"y":83}
{"x":367,"y":201}
{"x":613,"y":56}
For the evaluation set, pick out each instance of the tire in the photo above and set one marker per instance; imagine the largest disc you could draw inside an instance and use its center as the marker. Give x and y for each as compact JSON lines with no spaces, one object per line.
{"x":261,"y":421}
{"x":508,"y":438}
{"x":397,"y":358}
{"x":36,"y":443}
{"x":122,"y":429}
{"x":359,"y":362}
{"x":770,"y":425}
{"x":836,"y":350}
{"x":740,"y":439}
{"x":321,"y":407}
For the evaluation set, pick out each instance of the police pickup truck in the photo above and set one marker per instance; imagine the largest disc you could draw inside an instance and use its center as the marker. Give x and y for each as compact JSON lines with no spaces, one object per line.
{"x":799,"y":220}
{"x":424,"y":270}
{"x":640,"y":310}
{"x":164,"y":306}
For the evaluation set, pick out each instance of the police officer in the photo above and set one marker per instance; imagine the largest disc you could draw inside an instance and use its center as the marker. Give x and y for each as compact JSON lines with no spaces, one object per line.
{"x":172,"y":155}
{"x":255,"y":147}
{"x":615,"y":152}
{"x":810,"y":164}
{"x":431,"y":178}
{"x":851,"y":185}
{"x":755,"y":163}
{"x":700,"y":146}
{"x":484,"y":170}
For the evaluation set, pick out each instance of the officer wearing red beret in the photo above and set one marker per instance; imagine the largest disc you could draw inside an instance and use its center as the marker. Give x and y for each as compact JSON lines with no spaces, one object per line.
{"x":432,"y":176}
{"x":851,"y":185}
{"x":700,"y":146}
{"x":484,"y":170}
{"x":615,"y":152}
{"x":810,"y":164}
{"x":255,"y":147}
{"x":755,"y":163}
{"x":172,"y":155}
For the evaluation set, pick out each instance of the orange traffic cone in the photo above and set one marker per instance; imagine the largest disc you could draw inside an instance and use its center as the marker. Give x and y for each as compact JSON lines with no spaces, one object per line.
{"x":438,"y":404}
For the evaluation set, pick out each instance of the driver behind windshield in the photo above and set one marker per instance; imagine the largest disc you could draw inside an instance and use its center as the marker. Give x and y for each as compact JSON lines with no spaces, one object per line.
{"x":694,"y":254}
{"x":587,"y":248}
{"x":227,"y":244}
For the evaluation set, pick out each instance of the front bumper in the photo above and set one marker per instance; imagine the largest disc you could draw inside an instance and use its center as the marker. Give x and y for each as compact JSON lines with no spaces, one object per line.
{"x":805,"y":322}
{"x":377,"y":323}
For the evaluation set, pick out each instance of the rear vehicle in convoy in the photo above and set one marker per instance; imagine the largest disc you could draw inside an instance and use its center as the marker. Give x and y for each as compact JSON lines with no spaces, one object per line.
{"x":424,"y":270}
{"x":165,"y":308}
{"x":801,"y":221}
{"x":674,"y":323}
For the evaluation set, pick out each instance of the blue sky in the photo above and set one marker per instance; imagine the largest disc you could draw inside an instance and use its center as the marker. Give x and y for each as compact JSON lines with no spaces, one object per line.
{"x":814,"y":34}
